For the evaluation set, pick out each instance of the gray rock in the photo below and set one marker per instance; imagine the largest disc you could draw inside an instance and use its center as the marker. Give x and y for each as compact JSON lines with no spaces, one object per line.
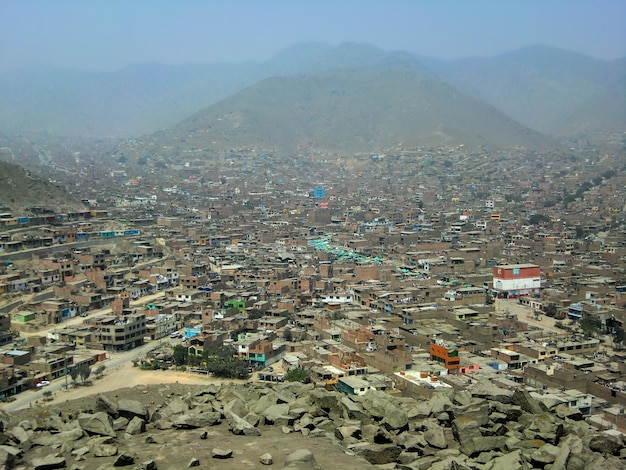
{"x":606,"y":444}
{"x":131,"y":408}
{"x":194,"y":420}
{"x":343,"y":432}
{"x":49,"y":462}
{"x":102,"y":446}
{"x":237,"y":424}
{"x":123,"y":460}
{"x":53,"y":440}
{"x":376,"y":434}
{"x":218,"y":453}
{"x":148,"y":465}
{"x":104,"y":403}
{"x":475,"y":445}
{"x":545,"y":454}
{"x":485,"y":389}
{"x":276,"y":413}
{"x":512,"y":412}
{"x":560,"y":461}
{"x":563,"y":412}
{"x":237,"y":407}
{"x":376,"y":454}
{"x":523,"y":399}
{"x":98,"y":423}
{"x":120,"y":423}
{"x":395,"y":418}
{"x":9,"y":455}
{"x":411,"y":442}
{"x":285,"y":396}
{"x":266,"y":459}
{"x":302,"y":459}
{"x":352,"y":409}
{"x":136,"y":426}
{"x":19,"y":434}
{"x":436,"y":437}
{"x":176,"y":406}
{"x":80,"y":452}
{"x":511,"y":461}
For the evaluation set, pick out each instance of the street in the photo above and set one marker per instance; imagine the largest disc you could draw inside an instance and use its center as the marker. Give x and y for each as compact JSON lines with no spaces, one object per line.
{"x":58,"y":386}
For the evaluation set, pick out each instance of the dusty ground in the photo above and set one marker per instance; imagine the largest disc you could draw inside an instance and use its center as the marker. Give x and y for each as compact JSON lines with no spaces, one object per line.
{"x":174,"y":449}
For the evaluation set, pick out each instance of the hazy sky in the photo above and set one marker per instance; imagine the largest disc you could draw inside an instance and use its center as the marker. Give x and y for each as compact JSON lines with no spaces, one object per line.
{"x":108,"y":34}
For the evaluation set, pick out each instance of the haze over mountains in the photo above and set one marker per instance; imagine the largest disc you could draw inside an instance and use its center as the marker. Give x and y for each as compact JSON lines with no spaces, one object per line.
{"x":339,"y":98}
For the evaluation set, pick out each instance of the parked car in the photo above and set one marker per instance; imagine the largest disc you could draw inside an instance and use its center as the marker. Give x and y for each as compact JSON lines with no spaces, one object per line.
{"x":43,"y":383}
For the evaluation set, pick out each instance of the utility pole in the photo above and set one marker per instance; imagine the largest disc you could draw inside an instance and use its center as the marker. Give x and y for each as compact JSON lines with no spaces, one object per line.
{"x":65,"y":367}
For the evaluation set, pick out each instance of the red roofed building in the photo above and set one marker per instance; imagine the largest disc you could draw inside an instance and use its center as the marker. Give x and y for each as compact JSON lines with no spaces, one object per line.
{"x":513,"y":280}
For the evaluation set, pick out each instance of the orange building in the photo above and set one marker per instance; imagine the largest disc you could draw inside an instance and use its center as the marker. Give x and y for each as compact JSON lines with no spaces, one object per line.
{"x":445,"y":353}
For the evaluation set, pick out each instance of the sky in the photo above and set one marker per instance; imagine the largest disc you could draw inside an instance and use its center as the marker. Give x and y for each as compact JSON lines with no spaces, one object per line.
{"x":110,"y":34}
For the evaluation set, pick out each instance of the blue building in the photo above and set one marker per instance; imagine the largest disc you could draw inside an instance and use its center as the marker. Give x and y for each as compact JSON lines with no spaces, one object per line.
{"x":319,"y":193}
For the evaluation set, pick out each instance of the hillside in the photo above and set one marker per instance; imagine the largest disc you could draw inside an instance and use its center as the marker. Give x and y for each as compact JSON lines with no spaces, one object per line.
{"x":21,"y":190}
{"x":537,"y":86}
{"x":603,"y":112}
{"x":300,"y":427}
{"x":345,"y":111}
{"x":144,"y":98}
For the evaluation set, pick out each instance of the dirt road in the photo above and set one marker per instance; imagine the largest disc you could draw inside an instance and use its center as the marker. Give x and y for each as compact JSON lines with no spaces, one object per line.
{"x":128,"y":376}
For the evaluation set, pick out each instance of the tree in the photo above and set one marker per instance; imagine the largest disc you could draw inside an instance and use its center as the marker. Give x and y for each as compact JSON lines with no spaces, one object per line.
{"x":81,"y":372}
{"x":536,"y":219}
{"x":590,"y":324}
{"x":287,"y":334}
{"x":550,"y":310}
{"x":180,"y":355}
{"x":619,"y":335}
{"x":98,"y":371}
{"x":298,"y":375}
{"x":74,"y":374}
{"x":222,"y":361}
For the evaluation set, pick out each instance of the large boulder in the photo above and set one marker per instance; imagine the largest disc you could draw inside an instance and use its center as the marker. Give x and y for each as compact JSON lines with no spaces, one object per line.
{"x":131,"y":408}
{"x":377,"y":454}
{"x":194,"y":420}
{"x":523,"y":399}
{"x":98,"y":423}
{"x":48,"y":462}
{"x":136,"y":426}
{"x":435,"y":437}
{"x":395,"y":418}
{"x":57,"y":439}
{"x":302,"y":459}
{"x":606,"y":444}
{"x":102,"y":446}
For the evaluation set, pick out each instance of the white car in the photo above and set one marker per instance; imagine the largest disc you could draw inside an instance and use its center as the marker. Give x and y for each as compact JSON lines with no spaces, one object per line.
{"x":43,"y":383}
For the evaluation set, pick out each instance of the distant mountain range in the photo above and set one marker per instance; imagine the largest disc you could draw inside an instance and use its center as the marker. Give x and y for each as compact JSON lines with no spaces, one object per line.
{"x":346,"y":111}
{"x":348,"y":96}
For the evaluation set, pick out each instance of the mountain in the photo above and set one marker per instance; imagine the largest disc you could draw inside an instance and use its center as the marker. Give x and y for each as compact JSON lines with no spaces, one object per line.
{"x":537,"y":86}
{"x":33,"y":191}
{"x":540,"y":87}
{"x":144,"y":98}
{"x":137,"y":99}
{"x":345,"y":111}
{"x":316,"y":57}
{"x":604,"y":112}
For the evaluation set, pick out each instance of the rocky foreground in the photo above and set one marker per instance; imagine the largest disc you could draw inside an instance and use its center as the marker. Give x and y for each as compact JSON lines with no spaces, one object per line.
{"x":227,"y":426}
